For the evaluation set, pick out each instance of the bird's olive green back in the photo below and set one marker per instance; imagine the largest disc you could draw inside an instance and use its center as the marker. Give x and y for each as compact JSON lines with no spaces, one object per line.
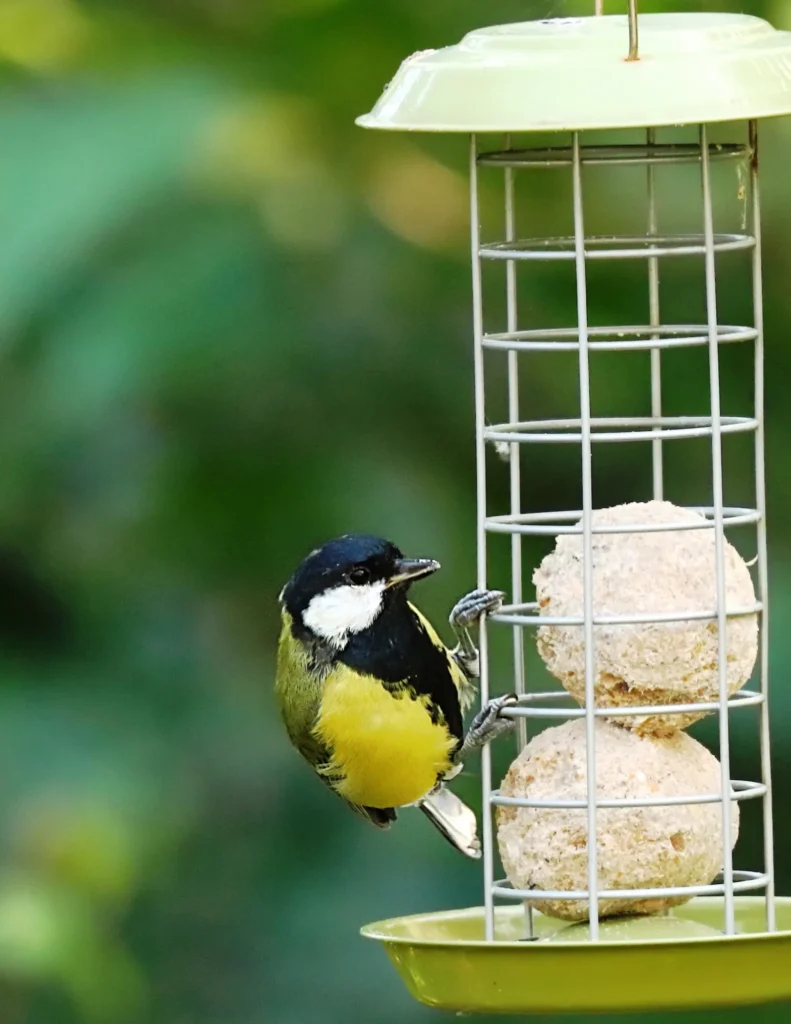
{"x":298,"y":692}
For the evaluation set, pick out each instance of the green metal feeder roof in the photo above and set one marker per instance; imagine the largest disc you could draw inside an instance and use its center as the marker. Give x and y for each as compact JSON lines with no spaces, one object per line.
{"x":572,"y":74}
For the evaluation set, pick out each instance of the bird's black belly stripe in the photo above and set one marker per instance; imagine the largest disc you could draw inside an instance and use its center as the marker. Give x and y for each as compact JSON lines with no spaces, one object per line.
{"x":398,"y":651}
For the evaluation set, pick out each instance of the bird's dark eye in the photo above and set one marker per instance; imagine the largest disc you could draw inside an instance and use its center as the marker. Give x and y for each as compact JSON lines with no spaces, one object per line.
{"x":359,"y":576}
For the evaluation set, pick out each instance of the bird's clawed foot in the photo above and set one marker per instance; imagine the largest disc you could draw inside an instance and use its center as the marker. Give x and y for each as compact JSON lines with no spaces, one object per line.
{"x":488,"y":724}
{"x":465,"y":614}
{"x":472,"y":606}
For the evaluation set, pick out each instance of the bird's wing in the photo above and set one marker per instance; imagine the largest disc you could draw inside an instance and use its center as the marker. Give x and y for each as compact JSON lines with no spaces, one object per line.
{"x":465,"y":688}
{"x":299,"y":697}
{"x":298,"y":692}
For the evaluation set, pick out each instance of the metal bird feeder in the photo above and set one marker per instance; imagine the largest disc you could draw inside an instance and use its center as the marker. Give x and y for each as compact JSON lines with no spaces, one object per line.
{"x":730,"y":943}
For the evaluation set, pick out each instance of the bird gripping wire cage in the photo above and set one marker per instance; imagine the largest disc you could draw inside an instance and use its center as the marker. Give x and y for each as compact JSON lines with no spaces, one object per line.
{"x":615,"y":73}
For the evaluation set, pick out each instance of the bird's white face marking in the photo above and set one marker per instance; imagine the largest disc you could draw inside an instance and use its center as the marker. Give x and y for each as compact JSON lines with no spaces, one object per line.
{"x":342,"y":610}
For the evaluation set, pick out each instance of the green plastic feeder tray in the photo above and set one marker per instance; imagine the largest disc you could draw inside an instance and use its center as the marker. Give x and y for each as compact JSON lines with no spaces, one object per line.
{"x":681,"y":961}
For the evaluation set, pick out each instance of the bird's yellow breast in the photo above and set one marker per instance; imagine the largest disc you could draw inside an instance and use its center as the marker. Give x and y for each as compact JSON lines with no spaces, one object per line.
{"x":386,"y":751}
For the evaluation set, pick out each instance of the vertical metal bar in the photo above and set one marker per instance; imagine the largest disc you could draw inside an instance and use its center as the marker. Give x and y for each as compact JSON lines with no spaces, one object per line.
{"x":587,"y":535}
{"x":633,"y":40}
{"x":480,"y":468}
{"x":515,"y":470}
{"x":514,"y":453}
{"x":760,"y":504}
{"x":653,"y":319}
{"x":719,"y":534}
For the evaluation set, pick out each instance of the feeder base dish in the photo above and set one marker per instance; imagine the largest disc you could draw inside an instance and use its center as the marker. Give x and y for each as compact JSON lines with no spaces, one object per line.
{"x":680,"y":961}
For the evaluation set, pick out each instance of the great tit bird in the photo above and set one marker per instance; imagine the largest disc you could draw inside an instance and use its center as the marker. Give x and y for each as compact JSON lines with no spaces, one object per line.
{"x":370,"y":695}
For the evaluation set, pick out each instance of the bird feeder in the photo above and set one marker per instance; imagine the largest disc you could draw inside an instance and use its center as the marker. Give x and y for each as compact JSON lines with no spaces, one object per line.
{"x":649,"y":89}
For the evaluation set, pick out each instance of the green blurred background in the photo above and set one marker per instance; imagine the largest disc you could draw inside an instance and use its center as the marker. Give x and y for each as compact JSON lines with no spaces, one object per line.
{"x":232,"y":325}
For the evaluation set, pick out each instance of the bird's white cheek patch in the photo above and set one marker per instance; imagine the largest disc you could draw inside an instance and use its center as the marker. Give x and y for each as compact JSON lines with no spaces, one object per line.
{"x":342,"y":610}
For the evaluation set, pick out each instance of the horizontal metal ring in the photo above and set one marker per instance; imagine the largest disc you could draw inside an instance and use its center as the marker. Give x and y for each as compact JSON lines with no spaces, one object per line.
{"x":513,"y":615}
{"x":736,"y":701}
{"x":633,"y":428}
{"x":631,"y":338}
{"x":563,"y":156}
{"x":743,"y":881}
{"x":552,"y":523}
{"x":614,"y":247}
{"x":742,"y":791}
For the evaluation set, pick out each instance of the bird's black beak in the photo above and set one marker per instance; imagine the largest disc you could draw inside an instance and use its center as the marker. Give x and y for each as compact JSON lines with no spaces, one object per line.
{"x":407,"y":569}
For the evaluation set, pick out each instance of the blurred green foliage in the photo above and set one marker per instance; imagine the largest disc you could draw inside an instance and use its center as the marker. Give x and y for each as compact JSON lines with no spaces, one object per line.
{"x":231,"y":325}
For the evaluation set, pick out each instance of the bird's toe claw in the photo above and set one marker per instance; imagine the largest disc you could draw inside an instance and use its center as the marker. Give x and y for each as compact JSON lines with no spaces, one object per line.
{"x":488,"y":723}
{"x":472,"y":606}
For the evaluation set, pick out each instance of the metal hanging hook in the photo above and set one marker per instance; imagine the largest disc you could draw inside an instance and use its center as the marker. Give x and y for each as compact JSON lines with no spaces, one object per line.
{"x":633,"y":55}
{"x":599,"y":10}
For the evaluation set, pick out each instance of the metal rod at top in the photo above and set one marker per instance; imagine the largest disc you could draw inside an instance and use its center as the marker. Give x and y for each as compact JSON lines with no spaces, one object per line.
{"x":633,"y":55}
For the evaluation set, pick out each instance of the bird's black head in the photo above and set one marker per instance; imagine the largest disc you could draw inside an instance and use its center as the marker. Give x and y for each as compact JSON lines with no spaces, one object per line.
{"x":342,"y":587}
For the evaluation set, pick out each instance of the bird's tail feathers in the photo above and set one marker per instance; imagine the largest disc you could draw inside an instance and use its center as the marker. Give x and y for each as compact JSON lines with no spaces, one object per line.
{"x":454,"y":819}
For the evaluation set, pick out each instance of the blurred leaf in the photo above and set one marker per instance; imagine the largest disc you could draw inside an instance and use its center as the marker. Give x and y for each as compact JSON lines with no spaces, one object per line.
{"x":82,"y":163}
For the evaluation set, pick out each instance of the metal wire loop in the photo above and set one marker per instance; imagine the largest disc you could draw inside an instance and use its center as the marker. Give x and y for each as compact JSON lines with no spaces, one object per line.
{"x":596,"y":156}
{"x":553,"y":524}
{"x":616,"y":339}
{"x":526,"y":709}
{"x":743,"y":881}
{"x":615,"y":247}
{"x":516,"y":614}
{"x":618,"y":428}
{"x":741,"y":790}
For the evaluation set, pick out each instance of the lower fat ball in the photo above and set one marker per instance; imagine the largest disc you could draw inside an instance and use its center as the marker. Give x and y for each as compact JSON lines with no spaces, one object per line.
{"x":652,"y":573}
{"x":641,"y":847}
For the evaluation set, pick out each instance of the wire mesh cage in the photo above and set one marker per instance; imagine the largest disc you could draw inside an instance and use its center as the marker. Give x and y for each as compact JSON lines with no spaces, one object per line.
{"x":574,"y":77}
{"x":656,"y":430}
